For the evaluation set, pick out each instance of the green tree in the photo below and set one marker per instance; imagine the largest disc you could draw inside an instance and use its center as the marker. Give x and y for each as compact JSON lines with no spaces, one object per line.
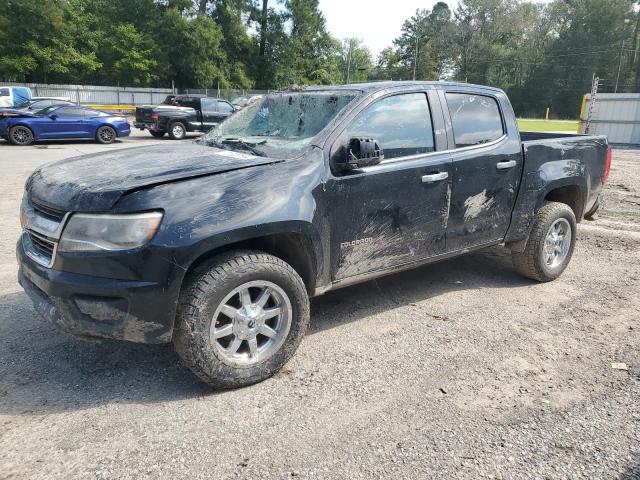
{"x":354,"y":61}
{"x":39,"y":42}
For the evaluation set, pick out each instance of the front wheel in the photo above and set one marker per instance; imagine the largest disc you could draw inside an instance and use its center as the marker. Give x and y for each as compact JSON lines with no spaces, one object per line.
{"x":240,"y":318}
{"x":106,"y":135}
{"x":21,"y":135}
{"x":550,"y":244}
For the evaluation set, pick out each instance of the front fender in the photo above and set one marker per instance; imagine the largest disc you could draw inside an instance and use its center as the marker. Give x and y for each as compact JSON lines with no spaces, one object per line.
{"x":246,"y":234}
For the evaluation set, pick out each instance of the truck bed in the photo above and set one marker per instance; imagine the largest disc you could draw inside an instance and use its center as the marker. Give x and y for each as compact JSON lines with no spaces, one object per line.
{"x":532,"y":136}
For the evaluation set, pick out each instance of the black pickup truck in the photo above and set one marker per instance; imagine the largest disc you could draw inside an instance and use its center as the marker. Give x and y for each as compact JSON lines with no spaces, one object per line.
{"x":217,"y":246}
{"x":180,"y":114}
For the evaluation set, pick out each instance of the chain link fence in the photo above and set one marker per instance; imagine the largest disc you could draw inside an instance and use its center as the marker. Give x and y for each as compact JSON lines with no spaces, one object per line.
{"x":124,"y":96}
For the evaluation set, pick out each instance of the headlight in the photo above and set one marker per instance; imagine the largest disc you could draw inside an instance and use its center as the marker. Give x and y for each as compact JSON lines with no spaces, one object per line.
{"x":90,"y":233}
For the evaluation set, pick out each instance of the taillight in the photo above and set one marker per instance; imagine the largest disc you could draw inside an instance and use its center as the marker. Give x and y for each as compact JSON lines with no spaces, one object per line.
{"x":154,"y":117}
{"x":607,"y":165}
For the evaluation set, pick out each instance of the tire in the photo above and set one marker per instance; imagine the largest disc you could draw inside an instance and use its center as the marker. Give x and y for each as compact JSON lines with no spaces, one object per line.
{"x":106,"y":135}
{"x":21,"y":135}
{"x":590,"y":215}
{"x":177,"y":131}
{"x":534,"y":262}
{"x":157,"y":133}
{"x":226,"y":361}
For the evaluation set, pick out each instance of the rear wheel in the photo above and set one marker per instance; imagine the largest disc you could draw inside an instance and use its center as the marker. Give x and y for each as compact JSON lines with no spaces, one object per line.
{"x":177,"y":131}
{"x":240,"y":318}
{"x":21,"y":135}
{"x":550,"y":245}
{"x":157,"y":133}
{"x":106,"y":135}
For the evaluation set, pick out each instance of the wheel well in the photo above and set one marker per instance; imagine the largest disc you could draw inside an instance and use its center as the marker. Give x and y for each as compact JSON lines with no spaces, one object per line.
{"x":294,"y":248}
{"x":107,"y":125}
{"x":570,"y":195}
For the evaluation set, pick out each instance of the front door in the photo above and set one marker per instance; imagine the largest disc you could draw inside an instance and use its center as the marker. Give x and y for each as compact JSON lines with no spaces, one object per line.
{"x":209,"y":113}
{"x":487,"y":166}
{"x":65,"y":122}
{"x":396,"y":212}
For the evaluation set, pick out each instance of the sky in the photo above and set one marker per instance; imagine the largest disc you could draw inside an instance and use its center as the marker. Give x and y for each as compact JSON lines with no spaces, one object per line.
{"x":376,"y":22}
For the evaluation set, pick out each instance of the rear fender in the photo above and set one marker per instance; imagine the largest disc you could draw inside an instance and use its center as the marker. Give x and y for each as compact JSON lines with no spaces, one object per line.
{"x":535,"y":187}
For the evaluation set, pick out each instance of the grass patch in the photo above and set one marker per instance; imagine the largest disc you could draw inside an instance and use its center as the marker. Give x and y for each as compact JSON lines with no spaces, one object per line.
{"x":534,"y":125}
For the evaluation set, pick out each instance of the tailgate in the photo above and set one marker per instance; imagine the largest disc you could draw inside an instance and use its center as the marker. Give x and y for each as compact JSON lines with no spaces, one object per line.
{"x":143,"y":114}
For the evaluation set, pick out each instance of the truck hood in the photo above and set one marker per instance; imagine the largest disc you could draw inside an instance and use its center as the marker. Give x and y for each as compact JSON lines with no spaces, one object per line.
{"x":94,"y":183}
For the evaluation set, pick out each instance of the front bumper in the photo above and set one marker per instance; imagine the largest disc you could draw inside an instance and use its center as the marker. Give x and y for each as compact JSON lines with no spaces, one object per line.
{"x":88,"y":307}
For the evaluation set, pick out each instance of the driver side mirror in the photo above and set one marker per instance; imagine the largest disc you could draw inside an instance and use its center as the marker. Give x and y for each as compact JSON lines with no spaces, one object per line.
{"x":362,"y":152}
{"x":53,"y":116}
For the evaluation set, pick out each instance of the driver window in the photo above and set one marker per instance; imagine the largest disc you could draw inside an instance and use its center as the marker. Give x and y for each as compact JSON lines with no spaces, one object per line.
{"x":401,"y":124}
{"x":70,"y":112}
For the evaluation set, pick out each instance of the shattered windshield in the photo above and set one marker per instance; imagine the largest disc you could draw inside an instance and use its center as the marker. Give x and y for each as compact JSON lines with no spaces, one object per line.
{"x":279,"y":124}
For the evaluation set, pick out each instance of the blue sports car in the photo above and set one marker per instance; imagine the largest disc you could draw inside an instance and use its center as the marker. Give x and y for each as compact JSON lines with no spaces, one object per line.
{"x":61,"y":122}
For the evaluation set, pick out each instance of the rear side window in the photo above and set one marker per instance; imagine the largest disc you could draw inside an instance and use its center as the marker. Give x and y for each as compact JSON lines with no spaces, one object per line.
{"x":4,"y":92}
{"x":208,"y":105}
{"x":401,"y":124}
{"x":476,"y":119}
{"x":190,"y":102}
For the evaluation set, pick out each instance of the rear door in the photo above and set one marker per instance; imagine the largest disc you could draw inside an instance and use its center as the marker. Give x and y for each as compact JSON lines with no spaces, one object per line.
{"x":393,"y":213}
{"x":487,"y":166}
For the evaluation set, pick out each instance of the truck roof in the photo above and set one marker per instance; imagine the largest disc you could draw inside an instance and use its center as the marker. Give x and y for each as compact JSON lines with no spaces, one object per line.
{"x":370,"y":87}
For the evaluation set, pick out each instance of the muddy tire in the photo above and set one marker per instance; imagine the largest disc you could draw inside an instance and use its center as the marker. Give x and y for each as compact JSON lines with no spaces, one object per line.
{"x":157,"y":133}
{"x":177,"y":131}
{"x":106,"y":135}
{"x":21,"y":135}
{"x":550,"y":245}
{"x":590,"y":215}
{"x":240,"y":318}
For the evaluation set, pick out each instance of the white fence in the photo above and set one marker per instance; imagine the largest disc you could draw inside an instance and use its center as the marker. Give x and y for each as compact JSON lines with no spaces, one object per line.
{"x":616,"y":115}
{"x":99,"y":95}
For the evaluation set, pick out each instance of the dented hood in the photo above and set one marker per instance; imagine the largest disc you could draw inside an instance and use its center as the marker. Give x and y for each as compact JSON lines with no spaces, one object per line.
{"x":95,"y":182}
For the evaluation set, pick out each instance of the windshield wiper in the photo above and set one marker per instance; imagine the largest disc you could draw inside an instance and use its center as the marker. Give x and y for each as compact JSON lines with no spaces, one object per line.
{"x":247,"y":146}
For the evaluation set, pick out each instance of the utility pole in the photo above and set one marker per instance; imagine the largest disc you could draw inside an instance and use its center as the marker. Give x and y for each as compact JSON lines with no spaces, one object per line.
{"x":619,"y":67}
{"x":415,"y":57}
{"x":349,"y":62}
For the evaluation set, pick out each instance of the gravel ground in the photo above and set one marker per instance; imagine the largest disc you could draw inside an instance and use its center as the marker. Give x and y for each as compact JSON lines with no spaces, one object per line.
{"x":456,"y":370}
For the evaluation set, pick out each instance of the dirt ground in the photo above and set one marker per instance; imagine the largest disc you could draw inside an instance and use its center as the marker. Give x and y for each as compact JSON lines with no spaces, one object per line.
{"x":460,"y":369}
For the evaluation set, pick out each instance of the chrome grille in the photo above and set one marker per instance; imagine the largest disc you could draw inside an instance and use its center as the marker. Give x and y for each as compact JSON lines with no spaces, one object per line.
{"x":49,"y":212}
{"x":42,"y":231}
{"x":42,"y":245}
{"x":39,"y":248}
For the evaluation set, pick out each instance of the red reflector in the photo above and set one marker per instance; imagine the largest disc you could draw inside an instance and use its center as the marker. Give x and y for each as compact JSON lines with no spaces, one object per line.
{"x":607,"y":165}
{"x":154,"y":117}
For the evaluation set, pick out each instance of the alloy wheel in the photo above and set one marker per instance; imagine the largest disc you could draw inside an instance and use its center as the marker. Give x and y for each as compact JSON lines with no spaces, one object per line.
{"x":251,"y":323}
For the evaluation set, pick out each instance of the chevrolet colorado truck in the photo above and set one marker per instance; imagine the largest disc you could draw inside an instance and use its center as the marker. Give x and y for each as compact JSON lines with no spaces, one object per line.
{"x":180,"y":114}
{"x":217,"y":245}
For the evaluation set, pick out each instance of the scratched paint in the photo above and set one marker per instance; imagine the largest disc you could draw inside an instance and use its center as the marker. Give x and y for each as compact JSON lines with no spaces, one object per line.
{"x":476,"y":205}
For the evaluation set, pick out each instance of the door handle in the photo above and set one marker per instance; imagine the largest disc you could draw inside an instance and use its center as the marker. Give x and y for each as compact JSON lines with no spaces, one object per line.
{"x":506,"y":165}
{"x":435,"y":177}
